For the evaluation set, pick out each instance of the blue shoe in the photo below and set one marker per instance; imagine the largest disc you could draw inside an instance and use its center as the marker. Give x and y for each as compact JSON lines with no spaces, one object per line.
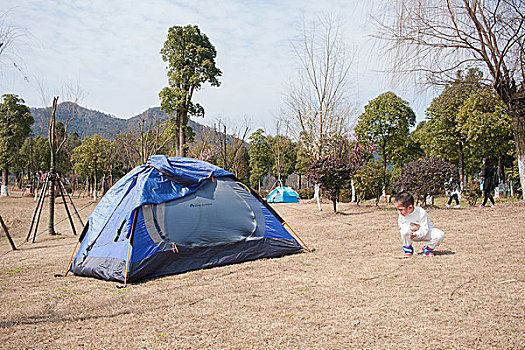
{"x":408,"y":251}
{"x":428,"y":251}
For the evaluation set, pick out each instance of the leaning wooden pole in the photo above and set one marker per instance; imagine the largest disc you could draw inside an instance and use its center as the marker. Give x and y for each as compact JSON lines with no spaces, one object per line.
{"x":40,"y":200}
{"x":4,"y":227}
{"x":65,"y":206}
{"x":71,"y":202}
{"x":39,"y":213}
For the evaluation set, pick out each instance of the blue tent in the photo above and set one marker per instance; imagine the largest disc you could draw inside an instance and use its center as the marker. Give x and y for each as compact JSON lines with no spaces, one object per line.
{"x":283,"y":195}
{"x":173,"y":215}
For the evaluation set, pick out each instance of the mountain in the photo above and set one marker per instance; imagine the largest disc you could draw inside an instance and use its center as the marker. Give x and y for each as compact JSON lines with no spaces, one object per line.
{"x":86,"y":122}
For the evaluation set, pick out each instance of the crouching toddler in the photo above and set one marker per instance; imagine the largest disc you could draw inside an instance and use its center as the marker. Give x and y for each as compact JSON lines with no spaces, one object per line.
{"x":415,"y":226}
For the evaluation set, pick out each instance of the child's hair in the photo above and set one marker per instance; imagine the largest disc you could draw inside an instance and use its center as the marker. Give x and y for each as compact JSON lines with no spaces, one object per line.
{"x":405,"y":198}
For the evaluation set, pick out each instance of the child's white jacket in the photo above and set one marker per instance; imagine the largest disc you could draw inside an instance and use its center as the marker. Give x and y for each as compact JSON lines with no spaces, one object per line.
{"x":418,"y":216}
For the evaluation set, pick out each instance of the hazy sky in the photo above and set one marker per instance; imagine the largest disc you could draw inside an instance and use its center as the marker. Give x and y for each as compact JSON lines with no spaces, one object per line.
{"x":110,"y":49}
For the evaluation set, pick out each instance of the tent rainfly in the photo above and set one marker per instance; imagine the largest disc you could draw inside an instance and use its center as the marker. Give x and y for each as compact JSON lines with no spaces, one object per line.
{"x":177,"y":214}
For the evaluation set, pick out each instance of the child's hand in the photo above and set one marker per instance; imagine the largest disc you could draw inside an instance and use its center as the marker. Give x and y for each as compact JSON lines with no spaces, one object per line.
{"x":412,"y":235}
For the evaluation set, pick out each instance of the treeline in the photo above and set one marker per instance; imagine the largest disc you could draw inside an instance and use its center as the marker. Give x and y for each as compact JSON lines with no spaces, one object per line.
{"x":465,"y":123}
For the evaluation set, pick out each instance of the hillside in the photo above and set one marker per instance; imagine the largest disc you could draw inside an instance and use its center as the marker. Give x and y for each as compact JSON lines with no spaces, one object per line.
{"x":87,"y":122}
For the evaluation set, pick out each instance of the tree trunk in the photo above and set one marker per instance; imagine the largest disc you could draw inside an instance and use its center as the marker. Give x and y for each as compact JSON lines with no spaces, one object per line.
{"x":461,"y":162}
{"x":354,"y":195}
{"x":52,"y":152}
{"x":317,"y":195}
{"x":3,"y":189}
{"x":51,"y":226}
{"x":516,"y":103}
{"x":384,"y":166}
{"x":182,"y":120}
{"x":95,"y":187}
{"x":501,"y":170}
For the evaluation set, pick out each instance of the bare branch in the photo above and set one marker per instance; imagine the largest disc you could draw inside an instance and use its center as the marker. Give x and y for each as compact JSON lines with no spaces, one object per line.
{"x":316,"y":103}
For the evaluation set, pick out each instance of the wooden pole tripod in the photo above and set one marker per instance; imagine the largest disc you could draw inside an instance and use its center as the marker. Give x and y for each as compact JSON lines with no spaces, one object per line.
{"x":40,"y":205}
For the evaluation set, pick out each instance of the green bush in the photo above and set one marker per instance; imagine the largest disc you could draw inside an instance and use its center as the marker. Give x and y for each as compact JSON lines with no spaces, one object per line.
{"x":471,"y":192}
{"x":306,"y":193}
{"x":345,"y":196}
{"x":368,"y":181}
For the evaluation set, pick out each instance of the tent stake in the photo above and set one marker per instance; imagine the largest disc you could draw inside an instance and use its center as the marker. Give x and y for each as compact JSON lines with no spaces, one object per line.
{"x":130,"y":245}
{"x":296,"y":235}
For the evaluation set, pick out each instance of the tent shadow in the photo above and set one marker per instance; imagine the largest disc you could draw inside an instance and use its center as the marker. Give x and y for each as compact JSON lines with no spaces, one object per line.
{"x":239,"y":263}
{"x":56,"y":318}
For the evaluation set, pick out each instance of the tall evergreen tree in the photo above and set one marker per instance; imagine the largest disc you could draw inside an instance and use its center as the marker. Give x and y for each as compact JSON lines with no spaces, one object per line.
{"x":445,"y":139}
{"x":190,"y":60}
{"x":15,"y":126}
{"x":386,"y":122}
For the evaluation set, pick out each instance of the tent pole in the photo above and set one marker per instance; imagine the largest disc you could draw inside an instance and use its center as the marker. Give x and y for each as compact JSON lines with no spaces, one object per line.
{"x":130,"y":245}
{"x":80,"y":239}
{"x":297,"y":236}
{"x":71,"y":259}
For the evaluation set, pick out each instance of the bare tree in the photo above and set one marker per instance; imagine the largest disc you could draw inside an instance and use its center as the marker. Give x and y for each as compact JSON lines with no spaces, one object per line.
{"x":57,"y":142}
{"x":9,"y":34}
{"x":436,"y":38}
{"x":230,"y":146}
{"x":153,"y":137}
{"x":317,"y":103}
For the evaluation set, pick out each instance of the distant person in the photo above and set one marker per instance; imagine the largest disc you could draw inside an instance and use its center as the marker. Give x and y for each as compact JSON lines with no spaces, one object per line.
{"x":454,"y":185}
{"x":489,"y":182}
{"x":415,"y":226}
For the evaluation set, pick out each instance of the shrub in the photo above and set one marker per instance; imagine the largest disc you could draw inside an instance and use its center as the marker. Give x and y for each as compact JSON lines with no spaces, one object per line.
{"x":306,"y":193}
{"x":471,"y":192}
{"x":369,"y":181}
{"x":424,"y":177}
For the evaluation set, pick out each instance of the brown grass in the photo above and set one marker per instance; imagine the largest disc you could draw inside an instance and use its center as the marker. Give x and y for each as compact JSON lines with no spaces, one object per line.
{"x":352,"y":292}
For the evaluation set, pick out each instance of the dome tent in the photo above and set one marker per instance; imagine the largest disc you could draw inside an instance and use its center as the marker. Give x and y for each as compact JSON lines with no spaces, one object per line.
{"x":173,"y":215}
{"x":283,"y":195}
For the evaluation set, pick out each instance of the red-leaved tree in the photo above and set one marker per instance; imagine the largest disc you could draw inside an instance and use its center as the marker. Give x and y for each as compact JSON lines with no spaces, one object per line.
{"x":335,"y":171}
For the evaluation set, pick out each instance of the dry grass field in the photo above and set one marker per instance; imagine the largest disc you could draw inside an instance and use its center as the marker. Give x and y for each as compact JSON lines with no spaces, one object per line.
{"x":353,"y":291}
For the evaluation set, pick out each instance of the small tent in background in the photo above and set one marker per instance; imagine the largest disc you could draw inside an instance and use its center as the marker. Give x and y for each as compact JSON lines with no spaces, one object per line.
{"x":174,"y":215}
{"x":283,"y":195}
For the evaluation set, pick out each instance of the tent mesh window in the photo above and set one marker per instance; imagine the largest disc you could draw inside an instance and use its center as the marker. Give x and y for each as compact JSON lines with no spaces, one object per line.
{"x":221,"y":211}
